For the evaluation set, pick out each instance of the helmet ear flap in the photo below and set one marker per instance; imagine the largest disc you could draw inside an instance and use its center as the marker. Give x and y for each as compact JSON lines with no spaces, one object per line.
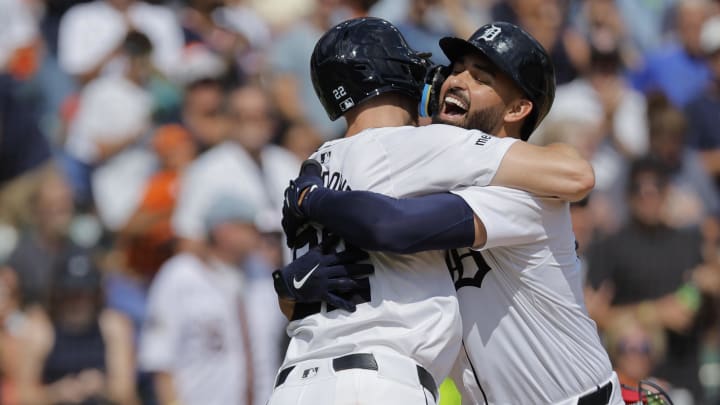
{"x":430,"y":99}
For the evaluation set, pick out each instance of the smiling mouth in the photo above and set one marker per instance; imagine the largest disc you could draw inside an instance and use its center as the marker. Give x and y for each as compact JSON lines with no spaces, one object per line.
{"x":454,"y":106}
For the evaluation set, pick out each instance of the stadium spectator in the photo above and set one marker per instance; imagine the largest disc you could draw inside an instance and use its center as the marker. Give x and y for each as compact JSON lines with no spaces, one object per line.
{"x":692,"y":196}
{"x":24,"y":148}
{"x":601,"y":22}
{"x":634,"y":349}
{"x":212,"y":328}
{"x":421,"y":28}
{"x":646,"y":22}
{"x":114,"y":113}
{"x":702,"y":112}
{"x":246,"y":165}
{"x":615,"y":128}
{"x":679,"y":58}
{"x":91,"y":35}
{"x":646,"y":252}
{"x":46,"y":239}
{"x":80,"y":352}
{"x":301,"y":140}
{"x":547,"y":21}
{"x":148,"y":236}
{"x":289,"y":61}
{"x":605,"y":92}
{"x":204,"y":112}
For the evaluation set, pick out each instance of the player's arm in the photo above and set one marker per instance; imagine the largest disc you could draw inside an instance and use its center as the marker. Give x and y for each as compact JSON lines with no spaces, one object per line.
{"x":555,"y":170}
{"x":374,"y":221}
{"x":377,"y":222}
{"x":440,"y":158}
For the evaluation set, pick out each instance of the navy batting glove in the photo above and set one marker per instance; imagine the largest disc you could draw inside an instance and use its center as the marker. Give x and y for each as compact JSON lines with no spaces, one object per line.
{"x":310,"y":179}
{"x":294,"y":217}
{"x":316,"y":277}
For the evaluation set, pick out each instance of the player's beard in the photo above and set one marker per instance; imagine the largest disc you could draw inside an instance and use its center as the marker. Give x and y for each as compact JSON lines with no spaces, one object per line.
{"x":485,"y":120}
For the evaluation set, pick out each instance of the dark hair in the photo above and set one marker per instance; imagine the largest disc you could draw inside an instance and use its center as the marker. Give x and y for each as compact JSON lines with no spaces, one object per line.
{"x":137,"y":44}
{"x":651,"y":165}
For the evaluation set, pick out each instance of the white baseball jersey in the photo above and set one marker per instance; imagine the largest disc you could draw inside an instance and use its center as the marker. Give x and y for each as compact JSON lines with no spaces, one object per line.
{"x":194,"y":331}
{"x":413,"y":309}
{"x":526,"y":331}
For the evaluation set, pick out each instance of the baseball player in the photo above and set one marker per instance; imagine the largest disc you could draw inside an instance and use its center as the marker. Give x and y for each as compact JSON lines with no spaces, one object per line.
{"x":527,"y":337}
{"x":401,"y":333}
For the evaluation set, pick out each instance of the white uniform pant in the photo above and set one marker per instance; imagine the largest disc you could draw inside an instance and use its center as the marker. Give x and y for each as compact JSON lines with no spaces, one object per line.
{"x":315,"y":382}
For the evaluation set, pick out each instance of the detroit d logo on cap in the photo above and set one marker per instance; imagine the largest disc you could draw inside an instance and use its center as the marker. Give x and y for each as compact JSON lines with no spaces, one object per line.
{"x":490,"y":33}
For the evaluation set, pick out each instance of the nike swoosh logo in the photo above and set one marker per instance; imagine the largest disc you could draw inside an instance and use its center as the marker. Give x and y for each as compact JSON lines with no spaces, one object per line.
{"x":299,"y":283}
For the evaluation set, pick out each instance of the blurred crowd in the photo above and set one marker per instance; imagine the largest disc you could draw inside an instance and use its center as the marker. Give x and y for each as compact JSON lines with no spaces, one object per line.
{"x":145,"y":146}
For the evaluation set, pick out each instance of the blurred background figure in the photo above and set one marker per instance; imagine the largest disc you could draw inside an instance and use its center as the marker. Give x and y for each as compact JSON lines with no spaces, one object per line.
{"x":615,"y":128}
{"x":548,"y":22}
{"x":634,"y":349}
{"x":113,"y":114}
{"x":289,"y":63}
{"x":680,"y":57}
{"x":24,"y":147}
{"x":204,"y":112}
{"x":646,"y":252}
{"x":692,"y":196}
{"x":260,"y":170}
{"x":91,"y":36}
{"x":78,"y":352}
{"x":212,"y":331}
{"x":301,"y":139}
{"x":45,"y":239}
{"x":703,"y":110}
{"x":148,"y":237}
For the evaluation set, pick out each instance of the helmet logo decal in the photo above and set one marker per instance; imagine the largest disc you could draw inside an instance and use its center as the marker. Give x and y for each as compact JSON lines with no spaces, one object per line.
{"x":346,"y":104}
{"x":490,"y":33}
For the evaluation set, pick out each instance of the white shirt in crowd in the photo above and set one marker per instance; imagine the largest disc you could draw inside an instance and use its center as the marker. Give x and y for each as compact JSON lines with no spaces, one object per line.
{"x":630,"y":127}
{"x":89,"y":32}
{"x":194,"y":331}
{"x":113,"y":109}
{"x":526,"y":331}
{"x":228,"y":169}
{"x":413,"y":311}
{"x":18,"y":28}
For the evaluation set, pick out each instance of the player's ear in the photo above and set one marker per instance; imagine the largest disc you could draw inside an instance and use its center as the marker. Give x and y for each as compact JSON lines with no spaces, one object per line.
{"x":517,"y":110}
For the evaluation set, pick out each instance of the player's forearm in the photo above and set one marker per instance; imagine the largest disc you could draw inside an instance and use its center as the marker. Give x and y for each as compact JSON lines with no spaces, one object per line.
{"x":373,"y":221}
{"x":556,"y":170}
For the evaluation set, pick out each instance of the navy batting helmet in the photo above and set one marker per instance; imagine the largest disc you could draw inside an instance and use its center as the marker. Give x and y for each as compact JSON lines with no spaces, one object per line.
{"x":361,"y":58}
{"x":517,"y":54}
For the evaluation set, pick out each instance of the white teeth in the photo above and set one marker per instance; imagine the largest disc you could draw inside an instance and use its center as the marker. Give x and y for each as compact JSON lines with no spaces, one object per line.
{"x":456,"y":102}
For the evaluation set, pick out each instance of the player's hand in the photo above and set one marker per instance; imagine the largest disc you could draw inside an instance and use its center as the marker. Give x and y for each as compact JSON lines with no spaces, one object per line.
{"x":317,"y":276}
{"x":299,"y":189}
{"x":309,"y":180}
